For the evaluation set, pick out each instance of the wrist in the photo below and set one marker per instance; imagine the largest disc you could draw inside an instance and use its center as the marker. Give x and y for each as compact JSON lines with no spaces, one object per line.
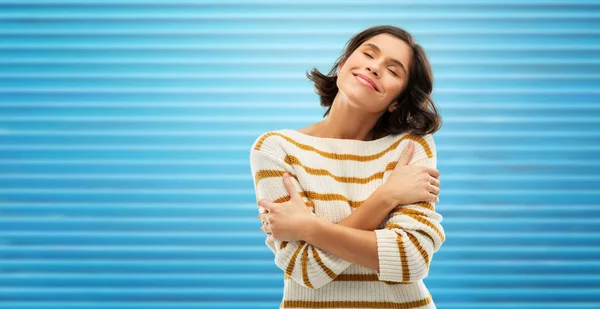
{"x":385,"y":198}
{"x":311,"y":229}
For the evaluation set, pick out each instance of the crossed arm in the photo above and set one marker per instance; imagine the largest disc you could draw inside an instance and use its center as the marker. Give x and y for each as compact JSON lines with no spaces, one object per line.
{"x":401,"y":252}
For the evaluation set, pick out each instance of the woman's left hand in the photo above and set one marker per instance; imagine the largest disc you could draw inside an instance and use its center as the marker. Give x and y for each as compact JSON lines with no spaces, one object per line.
{"x":287,"y":221}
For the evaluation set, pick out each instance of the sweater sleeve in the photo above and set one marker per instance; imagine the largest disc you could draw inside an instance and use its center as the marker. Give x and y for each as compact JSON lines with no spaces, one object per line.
{"x":412,"y":234}
{"x":304,"y":263}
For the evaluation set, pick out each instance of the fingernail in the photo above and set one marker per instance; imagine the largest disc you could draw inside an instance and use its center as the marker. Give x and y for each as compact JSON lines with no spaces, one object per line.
{"x":286,"y":175}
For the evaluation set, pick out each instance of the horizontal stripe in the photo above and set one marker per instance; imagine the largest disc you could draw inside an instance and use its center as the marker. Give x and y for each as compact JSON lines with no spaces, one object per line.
{"x":285,"y":15}
{"x":364,"y":278}
{"x":355,"y":304}
{"x":426,"y":205}
{"x":338,"y":156}
{"x":319,"y":48}
{"x":322,"y":197}
{"x":356,"y":278}
{"x":293,"y":160}
{"x":286,"y":198}
{"x":157,"y":4}
{"x":153,"y":31}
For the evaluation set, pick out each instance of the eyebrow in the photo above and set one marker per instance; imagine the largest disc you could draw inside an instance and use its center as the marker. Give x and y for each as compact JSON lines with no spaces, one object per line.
{"x":376,"y":48}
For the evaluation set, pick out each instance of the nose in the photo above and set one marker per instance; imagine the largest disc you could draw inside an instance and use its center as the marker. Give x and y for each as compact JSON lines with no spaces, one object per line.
{"x":374,"y":71}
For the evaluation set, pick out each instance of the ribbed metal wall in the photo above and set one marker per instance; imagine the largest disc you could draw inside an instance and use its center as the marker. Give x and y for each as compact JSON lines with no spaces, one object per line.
{"x":125,"y":129}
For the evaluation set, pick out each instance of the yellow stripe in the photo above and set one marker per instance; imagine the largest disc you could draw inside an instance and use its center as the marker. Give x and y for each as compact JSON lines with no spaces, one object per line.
{"x":426,"y":235}
{"x":356,"y":304}
{"x":287,"y":198}
{"x":353,"y":157}
{"x":355,"y":278}
{"x":290,"y":269}
{"x":396,"y":226}
{"x":326,"y":269}
{"x":405,"y":210}
{"x":320,"y":196}
{"x":305,"y":268}
{"x":417,"y":245}
{"x":292,"y":160}
{"x":420,"y":217}
{"x":365,"y":277}
{"x":262,"y":174}
{"x":429,"y":224}
{"x":283,"y":245}
{"x":427,"y":205}
{"x":403,"y":259}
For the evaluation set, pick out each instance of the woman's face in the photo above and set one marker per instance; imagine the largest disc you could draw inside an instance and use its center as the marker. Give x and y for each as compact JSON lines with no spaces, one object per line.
{"x":375,"y":73}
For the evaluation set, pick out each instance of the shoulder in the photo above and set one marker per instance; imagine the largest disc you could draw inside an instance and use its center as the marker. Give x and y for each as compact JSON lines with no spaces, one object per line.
{"x":273,"y":143}
{"x":268,"y":141}
{"x":425,"y":148}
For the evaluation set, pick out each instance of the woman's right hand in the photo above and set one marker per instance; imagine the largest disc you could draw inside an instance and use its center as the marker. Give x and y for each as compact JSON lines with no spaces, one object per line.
{"x":409,"y":184}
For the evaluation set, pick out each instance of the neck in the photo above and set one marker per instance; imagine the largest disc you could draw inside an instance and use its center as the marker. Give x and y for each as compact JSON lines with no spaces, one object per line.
{"x":346,"y":121}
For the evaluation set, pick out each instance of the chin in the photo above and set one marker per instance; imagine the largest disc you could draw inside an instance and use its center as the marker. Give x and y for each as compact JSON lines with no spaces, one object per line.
{"x":357,"y":95}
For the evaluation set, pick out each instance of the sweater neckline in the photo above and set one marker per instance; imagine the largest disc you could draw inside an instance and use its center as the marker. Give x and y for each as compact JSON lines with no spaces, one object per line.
{"x":341,"y":141}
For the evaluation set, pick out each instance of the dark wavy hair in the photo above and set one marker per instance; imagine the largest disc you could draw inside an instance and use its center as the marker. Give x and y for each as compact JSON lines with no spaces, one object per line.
{"x":416,"y":112}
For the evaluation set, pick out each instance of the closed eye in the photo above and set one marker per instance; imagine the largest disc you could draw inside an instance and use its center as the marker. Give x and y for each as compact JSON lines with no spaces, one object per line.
{"x":368,"y":55}
{"x":393,"y":72}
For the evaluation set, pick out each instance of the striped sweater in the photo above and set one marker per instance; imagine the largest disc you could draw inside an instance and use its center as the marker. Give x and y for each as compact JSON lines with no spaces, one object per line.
{"x":334,"y":176}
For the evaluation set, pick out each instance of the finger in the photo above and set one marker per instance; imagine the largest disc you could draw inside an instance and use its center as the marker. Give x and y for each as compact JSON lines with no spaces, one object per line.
{"x":263,"y":218}
{"x":266,"y":205}
{"x":407,"y":154}
{"x":433,"y":172}
{"x":434,"y":181}
{"x":289,"y":186}
{"x":433,"y":198}
{"x":434,"y":190}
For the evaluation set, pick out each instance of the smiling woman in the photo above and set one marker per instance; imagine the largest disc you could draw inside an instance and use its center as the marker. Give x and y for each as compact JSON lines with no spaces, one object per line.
{"x":348,"y":203}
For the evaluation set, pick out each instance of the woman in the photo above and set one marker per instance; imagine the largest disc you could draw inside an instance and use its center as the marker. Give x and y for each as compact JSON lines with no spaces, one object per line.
{"x":348,"y":202}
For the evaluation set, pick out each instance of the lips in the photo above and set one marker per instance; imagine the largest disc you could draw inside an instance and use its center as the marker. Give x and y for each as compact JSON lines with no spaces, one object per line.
{"x":368,"y":80}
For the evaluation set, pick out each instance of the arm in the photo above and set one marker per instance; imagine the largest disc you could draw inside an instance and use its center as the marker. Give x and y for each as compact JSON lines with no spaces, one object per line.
{"x":303,"y":262}
{"x":370,"y":214}
{"x":401,"y":252}
{"x":354,"y":245}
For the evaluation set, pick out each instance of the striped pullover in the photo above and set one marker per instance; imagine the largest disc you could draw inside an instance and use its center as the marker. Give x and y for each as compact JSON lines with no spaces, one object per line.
{"x":334,"y":176}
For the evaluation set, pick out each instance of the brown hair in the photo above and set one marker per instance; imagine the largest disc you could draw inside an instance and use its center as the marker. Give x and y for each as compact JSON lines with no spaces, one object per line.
{"x":416,"y":112}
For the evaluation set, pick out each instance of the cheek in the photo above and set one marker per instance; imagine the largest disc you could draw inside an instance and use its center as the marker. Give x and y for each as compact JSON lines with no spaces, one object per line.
{"x":395,"y":88}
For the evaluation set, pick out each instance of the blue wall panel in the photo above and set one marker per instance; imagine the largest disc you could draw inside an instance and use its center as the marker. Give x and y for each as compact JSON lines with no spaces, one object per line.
{"x":125,"y":129}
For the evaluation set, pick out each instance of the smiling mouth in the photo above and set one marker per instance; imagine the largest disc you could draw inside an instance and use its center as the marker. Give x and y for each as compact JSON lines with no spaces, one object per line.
{"x":365,"y":82}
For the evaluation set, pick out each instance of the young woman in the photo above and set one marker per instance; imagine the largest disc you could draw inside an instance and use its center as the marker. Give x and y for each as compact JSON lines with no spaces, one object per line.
{"x":348,"y":203}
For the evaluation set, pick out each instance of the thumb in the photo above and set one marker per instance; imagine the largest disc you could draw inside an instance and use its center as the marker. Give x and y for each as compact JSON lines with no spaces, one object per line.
{"x":289,"y":186}
{"x":407,"y":154}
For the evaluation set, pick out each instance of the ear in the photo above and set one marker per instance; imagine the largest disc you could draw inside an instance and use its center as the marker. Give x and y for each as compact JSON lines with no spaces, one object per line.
{"x":393,"y":106}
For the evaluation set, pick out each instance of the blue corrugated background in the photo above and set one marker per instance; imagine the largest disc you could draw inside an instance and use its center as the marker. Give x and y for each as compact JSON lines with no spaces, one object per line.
{"x":125,"y":129}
